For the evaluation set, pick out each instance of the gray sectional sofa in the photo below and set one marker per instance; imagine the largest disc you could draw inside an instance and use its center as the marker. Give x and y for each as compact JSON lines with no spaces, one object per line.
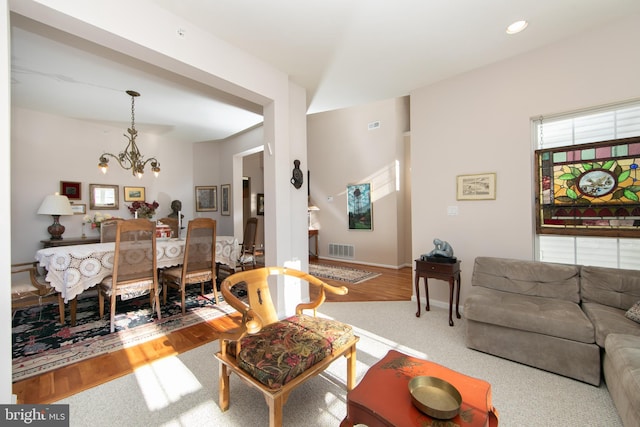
{"x":566,"y":319}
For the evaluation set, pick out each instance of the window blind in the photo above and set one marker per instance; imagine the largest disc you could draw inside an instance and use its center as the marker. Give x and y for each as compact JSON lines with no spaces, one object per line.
{"x":593,"y":125}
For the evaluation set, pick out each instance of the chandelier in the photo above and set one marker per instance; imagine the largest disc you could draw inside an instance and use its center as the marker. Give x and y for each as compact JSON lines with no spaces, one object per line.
{"x":131,"y":158}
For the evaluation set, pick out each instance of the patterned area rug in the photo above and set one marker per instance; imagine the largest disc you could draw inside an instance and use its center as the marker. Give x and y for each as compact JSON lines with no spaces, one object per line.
{"x":343,"y":274}
{"x":40,"y":343}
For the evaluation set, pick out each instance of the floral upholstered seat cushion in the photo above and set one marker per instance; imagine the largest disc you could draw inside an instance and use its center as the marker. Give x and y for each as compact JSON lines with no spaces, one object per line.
{"x":285,"y":349}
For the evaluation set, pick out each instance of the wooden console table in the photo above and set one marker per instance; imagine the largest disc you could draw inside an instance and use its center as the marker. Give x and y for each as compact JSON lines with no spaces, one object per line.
{"x":439,"y":270}
{"x":48,"y":243}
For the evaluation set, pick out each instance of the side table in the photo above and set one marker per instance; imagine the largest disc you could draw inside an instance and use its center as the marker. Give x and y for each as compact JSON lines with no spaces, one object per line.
{"x":49,"y":243}
{"x":382,"y":398}
{"x":444,"y":271}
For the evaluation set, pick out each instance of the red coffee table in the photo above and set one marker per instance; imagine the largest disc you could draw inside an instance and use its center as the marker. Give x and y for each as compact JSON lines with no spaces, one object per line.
{"x":382,"y":398}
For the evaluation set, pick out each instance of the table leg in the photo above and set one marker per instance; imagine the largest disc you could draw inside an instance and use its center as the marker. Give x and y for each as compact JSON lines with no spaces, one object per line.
{"x":418,"y":294}
{"x":458,"y":299}
{"x":73,"y":305}
{"x":426,"y":292}
{"x":452,"y":286}
{"x":61,"y":307}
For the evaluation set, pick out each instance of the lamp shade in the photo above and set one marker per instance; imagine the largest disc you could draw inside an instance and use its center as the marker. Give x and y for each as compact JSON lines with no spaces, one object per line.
{"x":55,"y":204}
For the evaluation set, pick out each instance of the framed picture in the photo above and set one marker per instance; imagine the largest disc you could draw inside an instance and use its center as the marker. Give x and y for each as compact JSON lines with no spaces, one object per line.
{"x":476,"y":187}
{"x":226,"y":199}
{"x":103,"y":196}
{"x":260,"y":204}
{"x":359,"y":208}
{"x":207,"y":198}
{"x":71,"y":189}
{"x":134,"y":194}
{"x":79,"y":209}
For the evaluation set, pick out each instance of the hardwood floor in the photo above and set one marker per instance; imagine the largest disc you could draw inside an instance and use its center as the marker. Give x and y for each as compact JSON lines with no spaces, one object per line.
{"x":391,"y":285}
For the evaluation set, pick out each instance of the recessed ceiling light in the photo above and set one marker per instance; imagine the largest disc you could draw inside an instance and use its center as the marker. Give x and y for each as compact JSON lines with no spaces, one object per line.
{"x":516,"y":27}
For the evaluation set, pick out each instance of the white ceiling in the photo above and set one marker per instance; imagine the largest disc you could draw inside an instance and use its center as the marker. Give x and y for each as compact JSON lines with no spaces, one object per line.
{"x":344,"y":52}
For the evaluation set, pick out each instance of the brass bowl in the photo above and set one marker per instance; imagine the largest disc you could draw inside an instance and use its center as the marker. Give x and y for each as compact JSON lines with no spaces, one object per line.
{"x":435,"y":397}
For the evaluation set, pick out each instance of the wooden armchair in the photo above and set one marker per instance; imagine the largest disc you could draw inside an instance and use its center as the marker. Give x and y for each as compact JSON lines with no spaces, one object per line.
{"x":29,"y":288}
{"x":275,"y":356}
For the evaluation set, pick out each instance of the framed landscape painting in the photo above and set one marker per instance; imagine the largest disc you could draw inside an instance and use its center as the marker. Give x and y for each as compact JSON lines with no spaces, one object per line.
{"x":359,"y":207}
{"x":134,"y":194}
{"x":207,"y":198}
{"x":476,"y":187}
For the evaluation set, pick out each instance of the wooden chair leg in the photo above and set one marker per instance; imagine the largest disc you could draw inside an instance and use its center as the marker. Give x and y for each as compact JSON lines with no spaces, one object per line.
{"x":351,"y":368}
{"x":182,"y":297}
{"x":275,"y":410}
{"x":164,"y":292}
{"x":157,"y":304}
{"x":113,"y":312}
{"x":223,"y":387}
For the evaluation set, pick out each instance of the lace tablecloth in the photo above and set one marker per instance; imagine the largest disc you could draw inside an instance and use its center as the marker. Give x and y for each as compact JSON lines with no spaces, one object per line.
{"x":73,"y":269}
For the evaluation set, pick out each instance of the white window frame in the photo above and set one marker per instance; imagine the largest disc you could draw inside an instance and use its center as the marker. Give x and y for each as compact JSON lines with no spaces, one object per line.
{"x":616,"y":121}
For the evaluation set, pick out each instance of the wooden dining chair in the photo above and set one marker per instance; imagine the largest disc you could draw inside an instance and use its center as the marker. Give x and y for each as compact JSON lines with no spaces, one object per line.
{"x":173,"y":224}
{"x":108,"y":230}
{"x":135,"y":271}
{"x":248,"y":245}
{"x":199,"y":265}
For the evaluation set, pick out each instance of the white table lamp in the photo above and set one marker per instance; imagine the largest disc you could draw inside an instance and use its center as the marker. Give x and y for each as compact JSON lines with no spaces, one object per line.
{"x":55,"y":205}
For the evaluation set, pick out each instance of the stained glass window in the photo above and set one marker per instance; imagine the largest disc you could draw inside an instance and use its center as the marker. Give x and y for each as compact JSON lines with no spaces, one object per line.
{"x":589,"y":189}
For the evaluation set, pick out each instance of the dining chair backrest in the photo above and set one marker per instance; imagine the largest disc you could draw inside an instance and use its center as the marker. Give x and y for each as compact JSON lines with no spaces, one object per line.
{"x":108,"y":230}
{"x":249,"y":238}
{"x":200,"y":246}
{"x":172,"y":223}
{"x":135,"y":252}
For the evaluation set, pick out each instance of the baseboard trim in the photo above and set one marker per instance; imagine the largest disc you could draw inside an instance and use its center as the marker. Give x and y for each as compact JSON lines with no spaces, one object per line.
{"x":394,"y":267}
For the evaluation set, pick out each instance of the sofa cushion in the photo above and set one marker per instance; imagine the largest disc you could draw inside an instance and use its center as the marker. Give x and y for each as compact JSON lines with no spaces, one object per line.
{"x":609,"y":320}
{"x":533,"y":278}
{"x":555,"y":317}
{"x":281,"y":351}
{"x":634,"y":312}
{"x":610,"y":286}
{"x":622,"y":373}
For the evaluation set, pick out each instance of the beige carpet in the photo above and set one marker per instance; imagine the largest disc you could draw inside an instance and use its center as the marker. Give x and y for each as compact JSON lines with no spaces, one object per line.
{"x":183,"y":390}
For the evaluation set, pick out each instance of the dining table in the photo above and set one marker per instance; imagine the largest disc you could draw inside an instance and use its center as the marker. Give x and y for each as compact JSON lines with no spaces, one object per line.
{"x":71,"y":270}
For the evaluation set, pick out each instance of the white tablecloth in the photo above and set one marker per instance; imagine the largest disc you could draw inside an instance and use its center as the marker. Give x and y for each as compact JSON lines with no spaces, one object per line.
{"x":73,"y":269}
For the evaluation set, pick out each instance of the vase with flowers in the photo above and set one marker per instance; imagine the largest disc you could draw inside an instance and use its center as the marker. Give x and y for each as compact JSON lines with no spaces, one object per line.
{"x":143,"y":209}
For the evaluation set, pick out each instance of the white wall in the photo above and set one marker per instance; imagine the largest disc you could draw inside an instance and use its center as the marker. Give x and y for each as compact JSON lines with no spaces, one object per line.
{"x":480,"y":122}
{"x":213,"y":166}
{"x":342,"y":151}
{"x":47,"y":149}
{"x":5,"y":213}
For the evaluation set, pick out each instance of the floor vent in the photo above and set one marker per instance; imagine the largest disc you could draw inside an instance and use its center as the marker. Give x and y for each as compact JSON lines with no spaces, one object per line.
{"x":341,"y":251}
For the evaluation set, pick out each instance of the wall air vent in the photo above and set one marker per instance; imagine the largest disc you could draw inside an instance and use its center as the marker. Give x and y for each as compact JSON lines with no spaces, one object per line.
{"x":337,"y":250}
